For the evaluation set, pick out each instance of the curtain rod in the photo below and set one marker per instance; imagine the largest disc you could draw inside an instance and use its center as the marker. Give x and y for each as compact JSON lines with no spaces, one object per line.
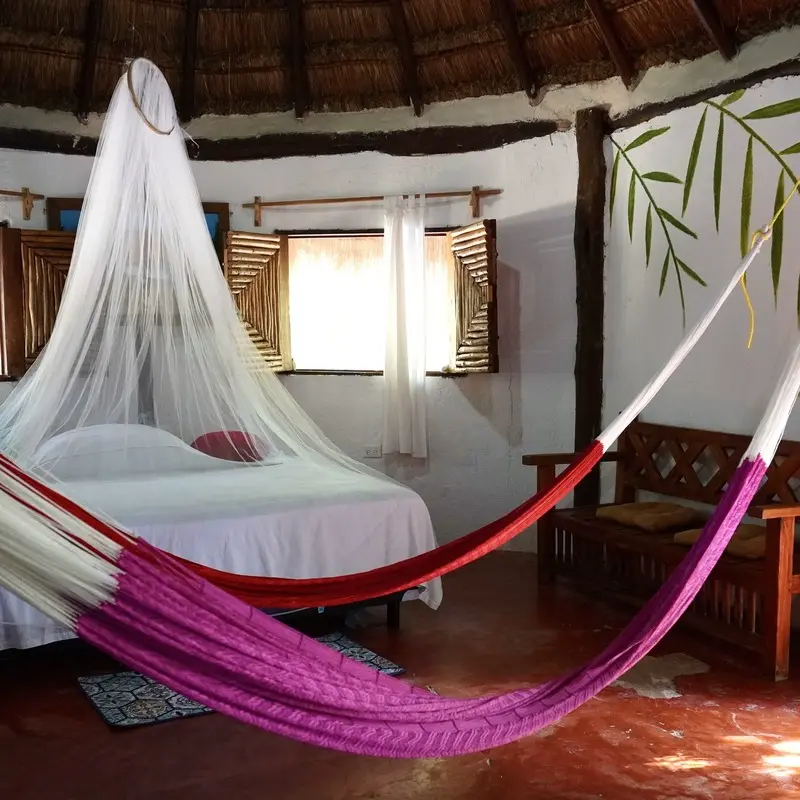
{"x":475,"y":195}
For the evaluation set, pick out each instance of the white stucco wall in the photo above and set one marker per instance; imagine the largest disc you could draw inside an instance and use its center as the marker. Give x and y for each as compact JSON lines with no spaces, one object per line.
{"x":722,"y":385}
{"x":479,"y":426}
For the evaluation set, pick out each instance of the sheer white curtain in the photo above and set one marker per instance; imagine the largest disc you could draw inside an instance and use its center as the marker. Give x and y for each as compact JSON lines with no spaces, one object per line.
{"x":404,"y":423}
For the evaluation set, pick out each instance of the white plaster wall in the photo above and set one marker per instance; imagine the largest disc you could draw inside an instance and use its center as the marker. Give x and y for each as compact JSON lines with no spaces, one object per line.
{"x":722,"y":385}
{"x":656,"y":85}
{"x":479,"y":426}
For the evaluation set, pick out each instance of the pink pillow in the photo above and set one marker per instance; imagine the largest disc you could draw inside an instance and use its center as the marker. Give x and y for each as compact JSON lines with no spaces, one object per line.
{"x":231,"y":446}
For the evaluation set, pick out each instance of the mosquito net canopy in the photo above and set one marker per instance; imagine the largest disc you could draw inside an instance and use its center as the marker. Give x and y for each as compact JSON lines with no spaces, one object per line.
{"x":148,"y":355}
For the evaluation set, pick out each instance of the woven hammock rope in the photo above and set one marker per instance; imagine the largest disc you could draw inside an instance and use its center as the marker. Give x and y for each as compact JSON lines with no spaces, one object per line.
{"x":196,"y":629}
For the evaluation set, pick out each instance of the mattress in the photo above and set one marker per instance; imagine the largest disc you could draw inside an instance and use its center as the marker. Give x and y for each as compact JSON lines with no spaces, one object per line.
{"x":290,"y":519}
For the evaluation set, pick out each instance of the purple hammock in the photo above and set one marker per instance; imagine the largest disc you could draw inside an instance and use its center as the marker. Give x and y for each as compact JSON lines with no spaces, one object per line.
{"x":178,"y":629}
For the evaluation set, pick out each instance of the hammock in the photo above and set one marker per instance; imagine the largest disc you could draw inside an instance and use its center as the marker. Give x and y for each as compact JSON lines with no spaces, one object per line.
{"x":288,"y":593}
{"x":159,"y":615}
{"x":146,"y":609}
{"x":84,"y":375}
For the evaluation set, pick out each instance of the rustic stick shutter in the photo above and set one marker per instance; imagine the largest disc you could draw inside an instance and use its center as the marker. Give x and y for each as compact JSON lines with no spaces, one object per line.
{"x":257,"y":272}
{"x":45,"y":259}
{"x":474,"y":281}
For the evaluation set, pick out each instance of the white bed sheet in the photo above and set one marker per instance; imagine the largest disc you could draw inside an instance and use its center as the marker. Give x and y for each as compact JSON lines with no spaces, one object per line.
{"x":290,"y":520}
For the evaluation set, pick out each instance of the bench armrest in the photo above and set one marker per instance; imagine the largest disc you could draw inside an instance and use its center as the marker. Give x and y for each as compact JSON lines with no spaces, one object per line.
{"x":776,"y":512}
{"x":562,"y":459}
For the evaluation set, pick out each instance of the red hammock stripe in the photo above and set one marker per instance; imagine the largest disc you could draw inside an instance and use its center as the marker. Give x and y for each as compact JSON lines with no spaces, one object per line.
{"x":289,"y":593}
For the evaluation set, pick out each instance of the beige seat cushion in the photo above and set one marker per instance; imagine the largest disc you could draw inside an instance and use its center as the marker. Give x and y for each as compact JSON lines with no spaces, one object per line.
{"x":749,"y":541}
{"x":652,"y":517}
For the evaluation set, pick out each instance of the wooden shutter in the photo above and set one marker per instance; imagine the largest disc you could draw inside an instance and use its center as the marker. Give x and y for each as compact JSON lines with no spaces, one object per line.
{"x":45,"y":257}
{"x":474,"y":282}
{"x":257,"y":272}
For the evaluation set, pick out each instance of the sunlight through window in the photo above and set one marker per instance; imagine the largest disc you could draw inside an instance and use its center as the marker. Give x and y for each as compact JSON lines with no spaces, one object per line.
{"x":337,"y":302}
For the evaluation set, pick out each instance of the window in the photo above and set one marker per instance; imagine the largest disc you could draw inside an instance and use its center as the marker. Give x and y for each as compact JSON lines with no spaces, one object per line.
{"x":316,"y":302}
{"x":336,"y":283}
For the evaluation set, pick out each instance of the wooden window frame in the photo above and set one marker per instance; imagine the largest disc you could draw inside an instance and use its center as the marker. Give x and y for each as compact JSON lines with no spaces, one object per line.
{"x":347,"y":233}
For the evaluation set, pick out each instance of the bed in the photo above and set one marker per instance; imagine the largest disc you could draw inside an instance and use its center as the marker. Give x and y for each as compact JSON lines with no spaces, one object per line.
{"x":283,"y":517}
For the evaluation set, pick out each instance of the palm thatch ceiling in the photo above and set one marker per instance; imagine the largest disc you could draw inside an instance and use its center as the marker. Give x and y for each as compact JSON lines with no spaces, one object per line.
{"x":248,"y":56}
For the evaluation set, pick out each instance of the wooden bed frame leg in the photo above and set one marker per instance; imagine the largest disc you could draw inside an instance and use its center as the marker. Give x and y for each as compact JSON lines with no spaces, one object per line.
{"x":778,"y":597}
{"x":545,"y":530}
{"x":393,"y":615}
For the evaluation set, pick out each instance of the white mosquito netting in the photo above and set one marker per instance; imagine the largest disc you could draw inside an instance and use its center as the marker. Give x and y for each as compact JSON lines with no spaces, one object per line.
{"x":148,"y":355}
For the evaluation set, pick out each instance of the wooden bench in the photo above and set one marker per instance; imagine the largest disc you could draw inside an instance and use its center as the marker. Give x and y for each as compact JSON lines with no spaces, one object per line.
{"x":745,"y":603}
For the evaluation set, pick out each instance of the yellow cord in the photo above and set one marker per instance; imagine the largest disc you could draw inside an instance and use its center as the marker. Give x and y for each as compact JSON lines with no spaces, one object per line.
{"x":750,"y":310}
{"x":764,"y":233}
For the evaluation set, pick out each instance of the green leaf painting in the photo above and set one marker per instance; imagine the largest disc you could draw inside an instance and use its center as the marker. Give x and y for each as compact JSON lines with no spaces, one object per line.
{"x":691,"y":273}
{"x":718,"y":169}
{"x":727,"y":113}
{"x":661,"y":177}
{"x":776,"y":110}
{"x":672,"y":228}
{"x":776,"y":258}
{"x":645,"y":138}
{"x":613,"y":193}
{"x":664,"y":273}
{"x":677,"y":223}
{"x":747,"y":199}
{"x":694,"y":156}
{"x":631,"y":205}
{"x":655,"y":215}
{"x":733,"y":97}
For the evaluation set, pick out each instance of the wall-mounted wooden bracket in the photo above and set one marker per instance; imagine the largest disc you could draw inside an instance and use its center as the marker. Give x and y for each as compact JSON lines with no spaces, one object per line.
{"x":256,"y":205}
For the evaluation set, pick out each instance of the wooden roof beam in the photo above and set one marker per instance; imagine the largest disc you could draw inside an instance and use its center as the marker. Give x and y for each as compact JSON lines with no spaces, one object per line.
{"x":407,"y":58}
{"x":187,"y":103}
{"x":300,"y":87}
{"x":508,"y":22}
{"x":619,"y":55}
{"x":85,"y":91}
{"x":715,"y":28}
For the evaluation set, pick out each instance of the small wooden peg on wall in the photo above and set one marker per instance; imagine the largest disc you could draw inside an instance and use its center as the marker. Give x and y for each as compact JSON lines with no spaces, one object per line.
{"x":256,"y":206}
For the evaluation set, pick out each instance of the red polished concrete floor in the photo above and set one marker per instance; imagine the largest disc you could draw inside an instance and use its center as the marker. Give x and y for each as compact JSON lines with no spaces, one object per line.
{"x":727,"y":735}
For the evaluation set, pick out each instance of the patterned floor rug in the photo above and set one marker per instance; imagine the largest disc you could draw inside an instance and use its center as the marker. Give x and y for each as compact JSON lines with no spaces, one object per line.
{"x":128,"y":699}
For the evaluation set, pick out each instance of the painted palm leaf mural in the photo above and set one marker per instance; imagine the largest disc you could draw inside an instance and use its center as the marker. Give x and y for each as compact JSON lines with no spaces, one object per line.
{"x":656,"y":215}
{"x":733,"y":170}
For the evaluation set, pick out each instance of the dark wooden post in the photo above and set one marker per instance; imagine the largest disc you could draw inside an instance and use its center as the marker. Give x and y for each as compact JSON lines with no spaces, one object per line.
{"x":779,"y":560}
{"x":589,"y":268}
{"x":301,"y":90}
{"x":408,"y":60}
{"x":12,"y":324}
{"x":91,"y":38}
{"x":187,"y":102}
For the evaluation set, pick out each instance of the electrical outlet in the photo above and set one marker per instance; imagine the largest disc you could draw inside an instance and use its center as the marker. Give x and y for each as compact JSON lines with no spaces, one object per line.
{"x":372,"y":452}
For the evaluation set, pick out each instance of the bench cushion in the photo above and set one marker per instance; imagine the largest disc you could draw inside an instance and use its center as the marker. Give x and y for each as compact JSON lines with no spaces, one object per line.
{"x":653,"y":517}
{"x":749,"y":541}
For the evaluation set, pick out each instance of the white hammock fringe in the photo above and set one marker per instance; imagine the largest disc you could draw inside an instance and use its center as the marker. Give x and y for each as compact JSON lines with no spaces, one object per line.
{"x":43,"y":564}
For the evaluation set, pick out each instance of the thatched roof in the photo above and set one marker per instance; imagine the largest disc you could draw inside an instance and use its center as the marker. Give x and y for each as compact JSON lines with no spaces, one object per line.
{"x":247,"y":56}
